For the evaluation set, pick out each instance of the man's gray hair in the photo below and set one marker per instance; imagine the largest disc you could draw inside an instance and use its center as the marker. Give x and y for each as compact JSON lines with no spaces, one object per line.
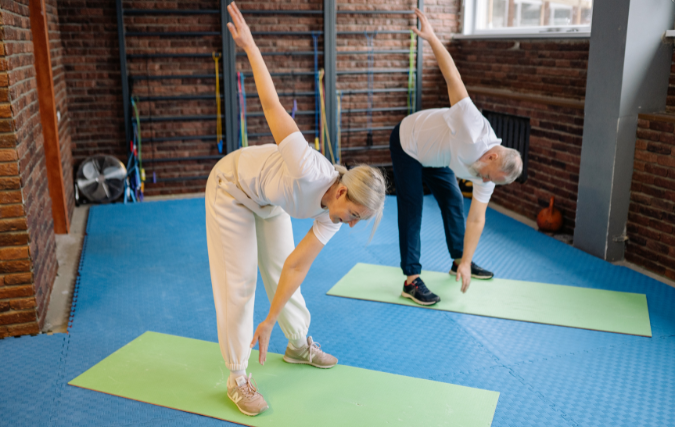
{"x":512,"y":165}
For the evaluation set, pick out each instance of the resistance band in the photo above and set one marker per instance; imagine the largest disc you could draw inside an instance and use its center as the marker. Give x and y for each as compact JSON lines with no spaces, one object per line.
{"x":371,"y":64}
{"x":243,"y":132}
{"x":149,"y":92}
{"x":315,"y":37}
{"x":411,"y":81}
{"x":141,"y":169}
{"x":295,"y":101}
{"x":219,"y":124}
{"x":324,"y":122}
{"x":133,"y":185}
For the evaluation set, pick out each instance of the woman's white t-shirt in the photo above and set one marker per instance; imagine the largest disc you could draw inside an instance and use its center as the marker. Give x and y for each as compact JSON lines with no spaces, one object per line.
{"x":290,"y":175}
{"x":452,"y":137}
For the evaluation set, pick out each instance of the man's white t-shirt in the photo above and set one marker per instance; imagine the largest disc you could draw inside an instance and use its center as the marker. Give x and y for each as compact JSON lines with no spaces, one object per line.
{"x":292,"y":176}
{"x":454,"y":137}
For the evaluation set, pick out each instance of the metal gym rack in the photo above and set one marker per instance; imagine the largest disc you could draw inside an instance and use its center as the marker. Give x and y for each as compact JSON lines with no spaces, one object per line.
{"x":229,"y":87}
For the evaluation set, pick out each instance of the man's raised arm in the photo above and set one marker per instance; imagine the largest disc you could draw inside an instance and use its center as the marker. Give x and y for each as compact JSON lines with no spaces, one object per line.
{"x":456,"y":89}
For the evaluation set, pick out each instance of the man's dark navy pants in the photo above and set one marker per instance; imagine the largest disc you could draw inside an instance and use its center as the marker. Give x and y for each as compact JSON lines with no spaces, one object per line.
{"x":409,"y":174}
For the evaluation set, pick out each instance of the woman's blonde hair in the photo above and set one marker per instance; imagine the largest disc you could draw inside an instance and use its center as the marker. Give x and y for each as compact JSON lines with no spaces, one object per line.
{"x":366,"y":186}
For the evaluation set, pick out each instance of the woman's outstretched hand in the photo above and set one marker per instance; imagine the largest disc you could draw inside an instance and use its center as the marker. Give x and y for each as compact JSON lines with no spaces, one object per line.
{"x":426,"y":31}
{"x":238,"y":28}
{"x":262,"y":335}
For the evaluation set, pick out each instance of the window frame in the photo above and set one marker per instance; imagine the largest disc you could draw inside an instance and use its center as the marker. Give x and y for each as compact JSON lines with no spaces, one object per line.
{"x":469,"y":30}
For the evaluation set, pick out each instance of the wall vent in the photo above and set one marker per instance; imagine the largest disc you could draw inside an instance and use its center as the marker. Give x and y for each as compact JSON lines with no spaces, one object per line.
{"x":514,"y":132}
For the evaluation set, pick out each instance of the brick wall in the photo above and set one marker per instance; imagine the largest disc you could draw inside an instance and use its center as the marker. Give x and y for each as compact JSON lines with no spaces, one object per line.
{"x":651,"y":218}
{"x":27,"y":250}
{"x":91,"y":65}
{"x":670,"y":101}
{"x":442,"y":14}
{"x":549,"y":71}
{"x":546,"y":68}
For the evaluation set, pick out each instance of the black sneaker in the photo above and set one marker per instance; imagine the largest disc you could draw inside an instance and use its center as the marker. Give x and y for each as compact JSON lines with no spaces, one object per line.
{"x":418,"y":292}
{"x":476,"y":271}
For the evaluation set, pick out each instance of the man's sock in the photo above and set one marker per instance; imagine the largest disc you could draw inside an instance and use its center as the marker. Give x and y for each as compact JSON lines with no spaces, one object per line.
{"x":299,"y":343}
{"x":232,"y":379}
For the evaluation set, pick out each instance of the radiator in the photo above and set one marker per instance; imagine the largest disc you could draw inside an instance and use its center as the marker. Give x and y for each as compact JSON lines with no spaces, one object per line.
{"x":514,"y":132}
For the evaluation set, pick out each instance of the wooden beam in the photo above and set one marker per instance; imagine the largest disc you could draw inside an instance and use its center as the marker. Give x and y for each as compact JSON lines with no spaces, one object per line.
{"x":47,"y":102}
{"x":529,"y":97}
{"x":658,"y":117}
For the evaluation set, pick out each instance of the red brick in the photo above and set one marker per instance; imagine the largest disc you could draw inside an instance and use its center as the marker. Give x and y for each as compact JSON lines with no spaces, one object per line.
{"x":664,"y":183}
{"x":13,"y":253}
{"x":655,"y":169}
{"x":661,"y":126}
{"x":18,"y":279}
{"x":7,"y":267}
{"x":5,"y":108}
{"x":13,"y":317}
{"x":13,"y":224}
{"x":658,"y":247}
{"x":664,"y":160}
{"x":11,"y":183}
{"x":7,"y":140}
{"x":9,"y":169}
{"x":646,"y":156}
{"x":7,"y":155}
{"x":11,"y":211}
{"x":23,"y":303}
{"x":31,"y":328}
{"x":14,"y":239}
{"x":10,"y":197}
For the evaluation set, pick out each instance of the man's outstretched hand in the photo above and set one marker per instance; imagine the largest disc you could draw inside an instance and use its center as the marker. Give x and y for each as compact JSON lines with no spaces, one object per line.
{"x":464,"y":274}
{"x":426,"y":31}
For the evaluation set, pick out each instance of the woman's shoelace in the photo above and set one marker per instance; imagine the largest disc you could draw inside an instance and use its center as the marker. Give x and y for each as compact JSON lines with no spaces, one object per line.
{"x":251,"y":387}
{"x":313,"y":349}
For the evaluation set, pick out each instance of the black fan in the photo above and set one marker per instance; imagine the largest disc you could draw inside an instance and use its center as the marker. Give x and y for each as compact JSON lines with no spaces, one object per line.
{"x":100,"y":179}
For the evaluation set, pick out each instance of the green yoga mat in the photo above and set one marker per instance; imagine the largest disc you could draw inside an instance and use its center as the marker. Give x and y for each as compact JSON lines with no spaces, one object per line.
{"x":190,"y":375}
{"x":596,"y":309}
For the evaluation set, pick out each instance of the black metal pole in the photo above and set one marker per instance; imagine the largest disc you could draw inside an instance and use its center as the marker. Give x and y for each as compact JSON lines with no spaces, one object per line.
{"x":126,"y":100}
{"x":229,"y":80}
{"x":330,"y":66}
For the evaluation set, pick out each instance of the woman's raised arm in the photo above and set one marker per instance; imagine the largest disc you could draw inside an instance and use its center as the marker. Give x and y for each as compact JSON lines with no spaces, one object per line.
{"x":280,"y":122}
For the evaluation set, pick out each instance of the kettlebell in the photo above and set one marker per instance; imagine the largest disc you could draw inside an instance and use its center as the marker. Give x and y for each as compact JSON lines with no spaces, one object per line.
{"x":550,"y":218}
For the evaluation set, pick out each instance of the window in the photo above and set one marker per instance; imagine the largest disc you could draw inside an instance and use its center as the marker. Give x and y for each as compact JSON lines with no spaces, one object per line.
{"x":527,"y":17}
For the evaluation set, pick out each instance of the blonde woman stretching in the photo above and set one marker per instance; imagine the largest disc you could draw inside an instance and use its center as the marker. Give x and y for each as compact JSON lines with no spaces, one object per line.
{"x":251,"y":195}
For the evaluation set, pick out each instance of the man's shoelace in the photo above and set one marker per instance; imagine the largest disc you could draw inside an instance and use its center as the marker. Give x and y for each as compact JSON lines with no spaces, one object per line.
{"x":422,"y":288}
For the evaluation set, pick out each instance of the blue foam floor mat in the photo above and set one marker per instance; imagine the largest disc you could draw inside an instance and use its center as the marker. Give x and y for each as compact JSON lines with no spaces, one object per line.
{"x":145,"y":267}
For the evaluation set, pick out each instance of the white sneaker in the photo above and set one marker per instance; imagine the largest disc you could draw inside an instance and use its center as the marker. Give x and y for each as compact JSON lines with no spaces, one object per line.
{"x":244,"y":394}
{"x":311,"y":354}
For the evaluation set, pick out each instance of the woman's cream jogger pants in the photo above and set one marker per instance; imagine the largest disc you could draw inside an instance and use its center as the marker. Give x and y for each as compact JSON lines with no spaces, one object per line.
{"x":239,"y":241}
